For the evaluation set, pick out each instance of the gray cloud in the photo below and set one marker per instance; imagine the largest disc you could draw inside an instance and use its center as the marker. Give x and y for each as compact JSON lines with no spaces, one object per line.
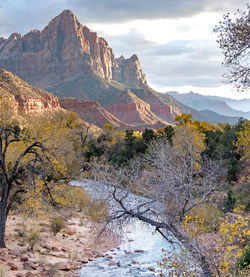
{"x":182,"y":70}
{"x":130,"y":43}
{"x":125,"y":10}
{"x":23,"y":15}
{"x":172,"y":48}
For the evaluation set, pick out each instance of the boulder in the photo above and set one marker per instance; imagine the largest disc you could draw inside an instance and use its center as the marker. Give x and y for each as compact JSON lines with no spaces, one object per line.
{"x":111,"y":263}
{"x":139,"y":251}
{"x":24,"y":258}
{"x":63,"y":266}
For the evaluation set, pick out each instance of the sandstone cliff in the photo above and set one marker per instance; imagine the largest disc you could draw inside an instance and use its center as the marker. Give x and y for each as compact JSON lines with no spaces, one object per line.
{"x":133,"y":110}
{"x":63,"y":49}
{"x":165,"y":108}
{"x":92,"y":112}
{"x":24,"y":97}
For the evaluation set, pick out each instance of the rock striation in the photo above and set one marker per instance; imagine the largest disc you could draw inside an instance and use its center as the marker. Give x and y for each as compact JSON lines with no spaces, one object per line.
{"x":63,"y":49}
{"x":24,"y":97}
{"x":92,"y":112}
{"x":131,"y":109}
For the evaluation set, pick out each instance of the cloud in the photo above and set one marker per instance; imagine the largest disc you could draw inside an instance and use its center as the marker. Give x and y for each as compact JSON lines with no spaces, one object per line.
{"x":23,"y":15}
{"x":182,"y":70}
{"x":173,"y":48}
{"x":130,"y":43}
{"x":125,"y":10}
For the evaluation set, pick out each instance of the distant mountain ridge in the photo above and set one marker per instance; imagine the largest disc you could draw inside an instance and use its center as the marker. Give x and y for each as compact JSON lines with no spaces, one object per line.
{"x":241,"y":105}
{"x":213,"y":103}
{"x":70,"y":61}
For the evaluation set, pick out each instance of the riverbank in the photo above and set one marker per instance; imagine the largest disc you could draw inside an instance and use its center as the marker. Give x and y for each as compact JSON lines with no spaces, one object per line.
{"x":61,"y":255}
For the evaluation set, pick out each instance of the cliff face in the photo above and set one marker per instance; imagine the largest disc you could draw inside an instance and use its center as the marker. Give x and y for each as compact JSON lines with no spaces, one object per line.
{"x":24,"y":97}
{"x":92,"y":112}
{"x":129,"y":72}
{"x":133,"y":110}
{"x":62,"y":50}
{"x":163,"y":108}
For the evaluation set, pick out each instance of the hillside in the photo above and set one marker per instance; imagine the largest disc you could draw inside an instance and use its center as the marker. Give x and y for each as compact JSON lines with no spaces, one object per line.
{"x":25,"y":97}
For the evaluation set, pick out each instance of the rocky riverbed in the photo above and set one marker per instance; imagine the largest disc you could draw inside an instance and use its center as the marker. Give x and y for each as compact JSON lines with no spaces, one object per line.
{"x":140,"y":249}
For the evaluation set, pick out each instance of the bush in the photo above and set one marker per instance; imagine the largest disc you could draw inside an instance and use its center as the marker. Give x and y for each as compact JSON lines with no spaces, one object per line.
{"x":96,"y":210}
{"x":21,"y":233}
{"x":242,"y":194}
{"x":229,"y":201}
{"x":72,"y":197}
{"x":56,"y":224}
{"x":33,"y":238}
{"x":208,"y":215}
{"x":244,"y":260}
{"x":80,"y":198}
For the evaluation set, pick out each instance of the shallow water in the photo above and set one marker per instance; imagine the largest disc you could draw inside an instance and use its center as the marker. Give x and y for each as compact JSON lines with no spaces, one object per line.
{"x":136,"y":235}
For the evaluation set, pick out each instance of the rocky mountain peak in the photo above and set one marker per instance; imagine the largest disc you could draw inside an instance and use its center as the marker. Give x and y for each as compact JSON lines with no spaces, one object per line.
{"x":14,"y":36}
{"x":130,"y":72}
{"x":134,"y":58}
{"x":65,"y":49}
{"x":66,"y":20}
{"x":120,"y":60}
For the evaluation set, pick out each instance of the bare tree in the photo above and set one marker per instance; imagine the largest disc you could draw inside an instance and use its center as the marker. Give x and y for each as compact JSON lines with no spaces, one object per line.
{"x":234,"y":40}
{"x":170,"y":183}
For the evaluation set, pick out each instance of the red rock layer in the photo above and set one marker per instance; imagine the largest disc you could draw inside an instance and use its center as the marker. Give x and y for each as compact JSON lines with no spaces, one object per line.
{"x":24,"y":97}
{"x":92,"y":112}
{"x":164,"y":110}
{"x":133,"y":110}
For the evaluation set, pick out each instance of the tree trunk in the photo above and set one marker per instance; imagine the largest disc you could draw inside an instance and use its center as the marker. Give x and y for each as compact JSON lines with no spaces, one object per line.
{"x":197,"y":256}
{"x":205,"y":267}
{"x":2,"y":225}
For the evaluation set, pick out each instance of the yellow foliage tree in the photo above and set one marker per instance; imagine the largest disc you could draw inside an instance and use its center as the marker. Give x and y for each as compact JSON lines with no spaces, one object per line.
{"x":235,"y":240}
{"x":35,"y":153}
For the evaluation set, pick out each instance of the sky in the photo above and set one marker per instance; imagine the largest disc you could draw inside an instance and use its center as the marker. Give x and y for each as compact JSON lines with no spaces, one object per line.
{"x":173,"y":39}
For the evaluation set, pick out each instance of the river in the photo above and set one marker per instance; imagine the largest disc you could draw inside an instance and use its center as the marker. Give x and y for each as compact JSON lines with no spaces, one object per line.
{"x":136,"y":236}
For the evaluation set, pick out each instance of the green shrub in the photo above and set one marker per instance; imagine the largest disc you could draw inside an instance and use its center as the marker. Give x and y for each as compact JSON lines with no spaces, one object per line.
{"x":229,"y":201}
{"x":56,"y":224}
{"x":33,"y":238}
{"x":244,"y":260}
{"x":21,"y":233}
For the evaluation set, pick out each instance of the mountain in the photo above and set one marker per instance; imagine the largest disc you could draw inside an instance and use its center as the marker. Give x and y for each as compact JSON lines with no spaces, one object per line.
{"x":92,"y":112}
{"x":70,"y":61}
{"x":25,"y":97}
{"x":241,"y":105}
{"x":216,"y":104}
{"x":214,"y":117}
{"x":62,"y":50}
